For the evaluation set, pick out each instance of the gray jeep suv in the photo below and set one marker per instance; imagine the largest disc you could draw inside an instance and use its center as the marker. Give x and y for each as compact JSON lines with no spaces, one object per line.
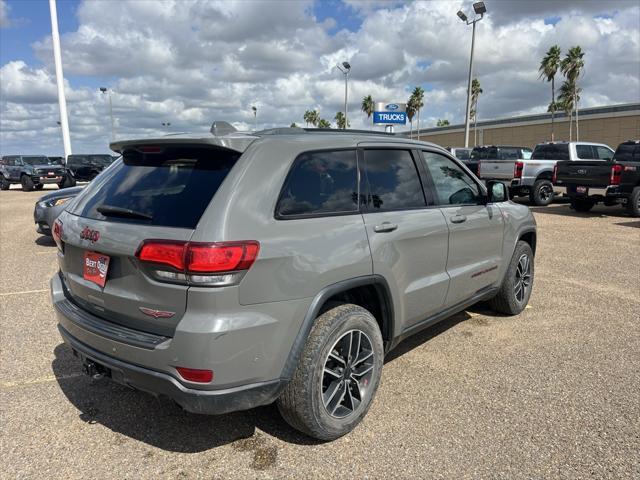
{"x":231,"y":270}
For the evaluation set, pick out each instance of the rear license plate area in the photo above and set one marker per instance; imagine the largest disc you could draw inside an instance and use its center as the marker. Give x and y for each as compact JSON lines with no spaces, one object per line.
{"x":95,"y":268}
{"x":582,"y":190}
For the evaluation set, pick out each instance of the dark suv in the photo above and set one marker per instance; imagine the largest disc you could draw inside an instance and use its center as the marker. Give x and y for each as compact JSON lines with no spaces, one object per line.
{"x":233,"y":270}
{"x":31,"y":171}
{"x":86,"y":167}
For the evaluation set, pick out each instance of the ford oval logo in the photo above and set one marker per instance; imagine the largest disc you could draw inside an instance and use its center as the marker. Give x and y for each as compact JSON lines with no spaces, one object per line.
{"x":392,"y":106}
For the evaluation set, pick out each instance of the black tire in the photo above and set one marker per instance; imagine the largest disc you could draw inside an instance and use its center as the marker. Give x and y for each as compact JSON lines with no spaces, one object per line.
{"x":581,"y":205}
{"x":541,"y":193}
{"x":39,"y":186}
{"x":68,"y":182}
{"x":27,"y":183}
{"x":633,"y":203}
{"x":302,"y":403}
{"x":4,"y":183}
{"x":507,"y":300}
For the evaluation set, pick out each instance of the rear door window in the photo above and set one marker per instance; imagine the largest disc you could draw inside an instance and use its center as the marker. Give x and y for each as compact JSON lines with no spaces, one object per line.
{"x":508,"y":153}
{"x":551,"y":152}
{"x":603,"y":153}
{"x":586,"y":152}
{"x":320,"y":183}
{"x":169,"y":186}
{"x":393,"y":180}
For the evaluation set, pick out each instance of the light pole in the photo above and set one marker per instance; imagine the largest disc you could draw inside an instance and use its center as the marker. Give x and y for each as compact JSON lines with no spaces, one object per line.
{"x":113,"y":128}
{"x":166,"y":124}
{"x":345,"y":68}
{"x":255,"y":117}
{"x":480,"y":9}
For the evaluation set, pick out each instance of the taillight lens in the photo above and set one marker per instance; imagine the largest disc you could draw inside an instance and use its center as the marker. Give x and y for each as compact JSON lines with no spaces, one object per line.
{"x":478,"y":170}
{"x":195,"y":374}
{"x":212,"y":264}
{"x":616,"y":174}
{"x":517,"y":170}
{"x":555,"y":173}
{"x":56,"y":233}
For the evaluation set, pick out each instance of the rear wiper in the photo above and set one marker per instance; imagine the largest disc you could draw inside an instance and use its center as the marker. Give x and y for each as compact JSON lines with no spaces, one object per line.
{"x":110,"y":211}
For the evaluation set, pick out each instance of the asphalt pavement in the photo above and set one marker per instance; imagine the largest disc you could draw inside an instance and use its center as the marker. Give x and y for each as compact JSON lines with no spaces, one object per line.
{"x":551,"y":393}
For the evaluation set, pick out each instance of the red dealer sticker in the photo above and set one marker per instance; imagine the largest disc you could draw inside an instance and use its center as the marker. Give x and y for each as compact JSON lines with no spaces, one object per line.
{"x":96,"y":266}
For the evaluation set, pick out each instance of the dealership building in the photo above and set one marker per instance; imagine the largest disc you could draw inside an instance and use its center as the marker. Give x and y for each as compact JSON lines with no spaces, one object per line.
{"x":610,"y":125}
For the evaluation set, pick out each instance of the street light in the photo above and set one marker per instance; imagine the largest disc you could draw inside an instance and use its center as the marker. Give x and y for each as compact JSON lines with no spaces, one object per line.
{"x":113,"y":128}
{"x":345,"y":68}
{"x":166,"y":124}
{"x":480,"y":9}
{"x":255,"y":117}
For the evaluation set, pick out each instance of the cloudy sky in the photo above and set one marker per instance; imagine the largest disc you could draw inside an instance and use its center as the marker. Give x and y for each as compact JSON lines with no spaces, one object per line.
{"x":192,"y":62}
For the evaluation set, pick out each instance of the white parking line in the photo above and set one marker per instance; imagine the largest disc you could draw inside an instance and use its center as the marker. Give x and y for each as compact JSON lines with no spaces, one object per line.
{"x":24,"y":292}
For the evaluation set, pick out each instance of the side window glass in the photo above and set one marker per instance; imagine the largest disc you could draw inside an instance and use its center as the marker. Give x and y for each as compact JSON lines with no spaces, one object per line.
{"x":526,"y":154}
{"x":321,"y":183}
{"x":509,"y":154}
{"x":604,"y":153}
{"x":453,"y":186}
{"x":584,"y":152}
{"x":393,"y":179}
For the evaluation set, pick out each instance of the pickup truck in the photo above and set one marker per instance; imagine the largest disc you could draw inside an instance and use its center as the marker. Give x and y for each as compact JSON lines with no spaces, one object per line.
{"x":495,"y":153}
{"x":534,"y":177}
{"x":614,"y":182}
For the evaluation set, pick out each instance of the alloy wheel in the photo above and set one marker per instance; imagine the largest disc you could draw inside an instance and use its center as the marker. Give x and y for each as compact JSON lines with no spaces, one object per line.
{"x":523,"y":278}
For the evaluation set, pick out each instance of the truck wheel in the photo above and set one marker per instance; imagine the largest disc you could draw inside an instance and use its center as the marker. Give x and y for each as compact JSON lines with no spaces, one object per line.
{"x":581,"y":205}
{"x":338,"y":374}
{"x":633,"y":203}
{"x":39,"y":186}
{"x":517,"y":284}
{"x":68,"y":181}
{"x":4,"y":183}
{"x":541,"y":193}
{"x":27,"y":183}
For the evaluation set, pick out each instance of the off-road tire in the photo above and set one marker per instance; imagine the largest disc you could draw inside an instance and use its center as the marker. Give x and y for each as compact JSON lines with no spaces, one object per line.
{"x":541,"y":193}
{"x":582,"y":205}
{"x":68,"y":182}
{"x":4,"y":183}
{"x":27,"y":183}
{"x":633,"y":203}
{"x":505,"y":301}
{"x":39,"y":186}
{"x":301,"y":403}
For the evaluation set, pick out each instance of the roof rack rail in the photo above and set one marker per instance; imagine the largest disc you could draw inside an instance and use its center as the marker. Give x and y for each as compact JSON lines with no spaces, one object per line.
{"x":348,"y":130}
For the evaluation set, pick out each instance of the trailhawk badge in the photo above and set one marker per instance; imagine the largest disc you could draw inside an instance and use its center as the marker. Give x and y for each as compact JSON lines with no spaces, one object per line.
{"x":156,"y":313}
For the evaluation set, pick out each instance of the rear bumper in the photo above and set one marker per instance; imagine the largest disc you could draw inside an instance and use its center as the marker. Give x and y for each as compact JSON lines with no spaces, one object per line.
{"x":48,"y":180}
{"x":210,"y":402}
{"x":570,"y":191}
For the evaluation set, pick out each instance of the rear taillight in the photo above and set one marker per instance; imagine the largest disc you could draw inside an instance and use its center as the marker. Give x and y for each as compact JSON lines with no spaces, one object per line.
{"x":478,"y":170}
{"x":517,"y":170}
{"x":195,"y":374}
{"x":56,"y":233}
{"x":555,"y":174}
{"x":616,"y":174}
{"x":211,"y":264}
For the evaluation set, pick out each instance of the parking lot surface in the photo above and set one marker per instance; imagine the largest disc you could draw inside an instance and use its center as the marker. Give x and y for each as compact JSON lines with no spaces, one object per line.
{"x":553,"y":392}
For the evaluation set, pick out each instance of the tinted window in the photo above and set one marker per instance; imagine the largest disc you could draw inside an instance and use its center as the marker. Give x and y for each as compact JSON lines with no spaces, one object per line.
{"x":393,"y":180}
{"x":551,"y":152}
{"x":37,"y":160}
{"x":462,"y":154}
{"x":453,"y":186}
{"x":507,"y":153}
{"x":585,"y":152}
{"x":321,"y":183}
{"x":173,"y":187}
{"x":628,"y":152}
{"x":603,"y":153}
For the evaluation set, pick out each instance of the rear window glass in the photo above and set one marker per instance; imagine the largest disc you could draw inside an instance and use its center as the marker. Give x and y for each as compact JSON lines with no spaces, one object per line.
{"x":551,"y":152}
{"x":321,"y":183}
{"x":585,"y":152}
{"x":36,"y":160}
{"x":462,"y":154}
{"x":171,"y":188}
{"x":627,"y":153}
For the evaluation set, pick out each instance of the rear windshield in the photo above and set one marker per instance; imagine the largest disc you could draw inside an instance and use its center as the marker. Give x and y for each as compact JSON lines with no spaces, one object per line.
{"x":484,"y":153}
{"x":171,"y":188}
{"x":627,"y":152}
{"x":551,"y":152}
{"x":462,"y":154}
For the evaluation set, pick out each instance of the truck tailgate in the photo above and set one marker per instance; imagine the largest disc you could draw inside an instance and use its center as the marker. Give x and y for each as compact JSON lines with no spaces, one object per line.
{"x":497,"y":170}
{"x":595,"y":173}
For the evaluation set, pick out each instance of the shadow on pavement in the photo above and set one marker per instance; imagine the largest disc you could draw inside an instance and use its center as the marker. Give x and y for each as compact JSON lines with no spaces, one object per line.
{"x":45,"y":241}
{"x":635,"y":224}
{"x":566,"y":211}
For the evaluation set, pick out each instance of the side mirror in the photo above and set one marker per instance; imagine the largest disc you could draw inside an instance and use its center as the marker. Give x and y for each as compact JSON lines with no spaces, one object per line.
{"x":497,"y":192}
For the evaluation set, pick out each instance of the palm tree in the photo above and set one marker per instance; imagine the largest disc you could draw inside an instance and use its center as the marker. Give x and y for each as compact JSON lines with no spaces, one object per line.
{"x":442,"y":123}
{"x":322,"y":123}
{"x":367,"y":106}
{"x":311,"y":117}
{"x":476,"y":90}
{"x":418,"y":95}
{"x":571,"y":66}
{"x":293,"y":125}
{"x":567,"y":98}
{"x":340,"y":119}
{"x":411,"y":112}
{"x":548,"y":69}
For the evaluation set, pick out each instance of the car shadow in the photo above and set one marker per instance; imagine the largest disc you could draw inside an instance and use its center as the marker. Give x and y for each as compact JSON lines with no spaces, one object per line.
{"x":634,"y":224}
{"x":160,"y":422}
{"x":45,"y":241}
{"x":567,"y":211}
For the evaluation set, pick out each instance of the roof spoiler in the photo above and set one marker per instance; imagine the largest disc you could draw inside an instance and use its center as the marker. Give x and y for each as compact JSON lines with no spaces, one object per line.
{"x":219,"y":128}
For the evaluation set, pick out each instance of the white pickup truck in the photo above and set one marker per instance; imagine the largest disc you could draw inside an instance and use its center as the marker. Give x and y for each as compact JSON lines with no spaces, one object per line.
{"x":533,"y":177}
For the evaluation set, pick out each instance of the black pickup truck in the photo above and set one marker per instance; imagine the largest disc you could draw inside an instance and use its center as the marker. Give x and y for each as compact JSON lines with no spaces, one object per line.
{"x":587,"y":182}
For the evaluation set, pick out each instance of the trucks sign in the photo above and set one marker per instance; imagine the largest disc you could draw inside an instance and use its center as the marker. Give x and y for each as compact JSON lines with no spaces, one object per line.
{"x":390,"y":113}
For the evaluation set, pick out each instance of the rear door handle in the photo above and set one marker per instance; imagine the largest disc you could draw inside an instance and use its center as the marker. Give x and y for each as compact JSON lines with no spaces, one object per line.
{"x":458,"y":219}
{"x":385,"y":227}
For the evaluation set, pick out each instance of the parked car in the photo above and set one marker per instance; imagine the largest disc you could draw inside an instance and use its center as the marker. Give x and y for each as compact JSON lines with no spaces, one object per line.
{"x":533,"y":177}
{"x":231,"y":271}
{"x":31,"y":171}
{"x":496,"y":153}
{"x":50,"y":206}
{"x":587,"y":182}
{"x":56,"y":160}
{"x":84,"y":168}
{"x":463,"y":154}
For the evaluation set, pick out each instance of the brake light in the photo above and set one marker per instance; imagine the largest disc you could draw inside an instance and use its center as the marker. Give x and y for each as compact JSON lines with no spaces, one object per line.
{"x":616,"y":174}
{"x":555,"y":174}
{"x":517,"y":170}
{"x":56,"y":233}
{"x":195,"y":374}
{"x":164,"y":252}
{"x":221,"y":257}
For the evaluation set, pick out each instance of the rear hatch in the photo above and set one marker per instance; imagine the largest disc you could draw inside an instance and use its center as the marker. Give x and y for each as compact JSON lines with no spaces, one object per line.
{"x":153,"y":192}
{"x":586,"y":173}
